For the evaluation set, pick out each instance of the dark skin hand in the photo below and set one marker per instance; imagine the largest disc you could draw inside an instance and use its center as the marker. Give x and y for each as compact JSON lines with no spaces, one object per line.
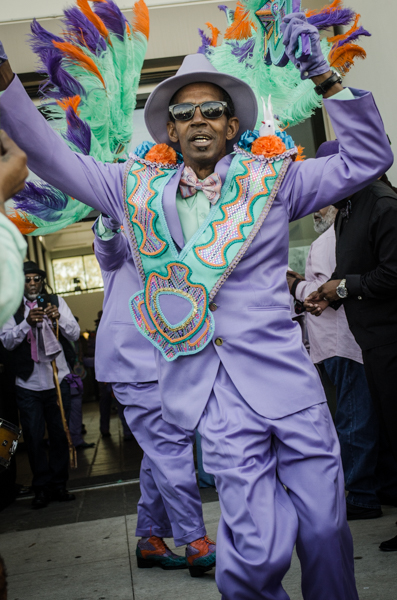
{"x":13,"y":169}
{"x":318,"y":301}
{"x":202,"y":154}
{"x":313,"y":306}
{"x":36,"y":315}
{"x":292,"y":276}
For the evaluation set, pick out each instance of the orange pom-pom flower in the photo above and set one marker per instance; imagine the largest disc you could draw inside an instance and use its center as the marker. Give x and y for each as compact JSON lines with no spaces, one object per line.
{"x":268,"y":146}
{"x":163,"y":154}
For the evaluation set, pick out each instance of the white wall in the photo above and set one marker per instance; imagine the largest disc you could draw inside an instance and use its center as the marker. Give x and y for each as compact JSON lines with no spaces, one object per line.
{"x":173,"y":26}
{"x":378,"y":72}
{"x":85,"y":307}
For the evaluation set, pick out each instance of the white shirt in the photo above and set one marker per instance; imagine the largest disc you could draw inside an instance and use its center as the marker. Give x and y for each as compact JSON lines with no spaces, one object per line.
{"x":42,"y":377}
{"x":329,"y":335}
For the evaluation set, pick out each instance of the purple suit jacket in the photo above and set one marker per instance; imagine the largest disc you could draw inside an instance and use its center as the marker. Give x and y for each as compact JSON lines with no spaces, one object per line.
{"x":262,"y":349}
{"x":122,"y":354}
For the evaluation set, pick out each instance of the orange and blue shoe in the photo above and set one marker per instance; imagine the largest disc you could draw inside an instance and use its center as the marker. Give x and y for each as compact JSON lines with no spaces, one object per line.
{"x":201,"y":556}
{"x":155,"y":553}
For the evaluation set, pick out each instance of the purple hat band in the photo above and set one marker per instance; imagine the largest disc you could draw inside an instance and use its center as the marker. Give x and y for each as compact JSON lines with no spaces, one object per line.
{"x":328,"y":149}
{"x":196,"y":68}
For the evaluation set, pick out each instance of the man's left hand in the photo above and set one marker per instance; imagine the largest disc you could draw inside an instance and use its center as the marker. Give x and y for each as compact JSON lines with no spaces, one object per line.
{"x":52,"y":312}
{"x":328,"y":290}
{"x":293,"y":27}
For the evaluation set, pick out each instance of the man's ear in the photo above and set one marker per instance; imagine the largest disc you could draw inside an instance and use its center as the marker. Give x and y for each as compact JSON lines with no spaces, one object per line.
{"x":233,"y":125}
{"x":172,"y":133}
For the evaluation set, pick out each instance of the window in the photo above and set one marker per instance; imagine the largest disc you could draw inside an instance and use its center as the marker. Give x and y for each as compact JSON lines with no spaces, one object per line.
{"x":77,"y":274}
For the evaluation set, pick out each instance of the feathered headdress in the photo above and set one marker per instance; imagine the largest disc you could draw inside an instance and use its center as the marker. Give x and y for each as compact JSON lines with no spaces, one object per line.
{"x":252,"y":48}
{"x":93,"y":72}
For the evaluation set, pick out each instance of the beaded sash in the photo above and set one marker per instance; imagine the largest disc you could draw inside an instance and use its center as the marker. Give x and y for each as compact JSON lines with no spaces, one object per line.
{"x":172,"y":309}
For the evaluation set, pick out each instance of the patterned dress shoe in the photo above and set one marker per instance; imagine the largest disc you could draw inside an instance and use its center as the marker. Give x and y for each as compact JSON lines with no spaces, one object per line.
{"x":201,"y":556}
{"x":155,"y":553}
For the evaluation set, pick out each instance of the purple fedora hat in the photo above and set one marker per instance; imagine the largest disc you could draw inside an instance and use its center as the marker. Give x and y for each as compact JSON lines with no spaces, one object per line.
{"x":194,"y":69}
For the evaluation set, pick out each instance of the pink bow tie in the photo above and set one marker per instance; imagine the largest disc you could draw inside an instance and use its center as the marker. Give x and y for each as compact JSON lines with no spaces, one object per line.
{"x":211,"y":185}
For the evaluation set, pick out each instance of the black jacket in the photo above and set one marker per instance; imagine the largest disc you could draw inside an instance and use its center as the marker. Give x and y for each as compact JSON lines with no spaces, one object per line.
{"x":366,"y":256}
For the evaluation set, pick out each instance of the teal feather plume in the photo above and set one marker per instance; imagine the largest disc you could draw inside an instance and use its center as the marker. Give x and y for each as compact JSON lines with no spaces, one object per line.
{"x":99,"y":121}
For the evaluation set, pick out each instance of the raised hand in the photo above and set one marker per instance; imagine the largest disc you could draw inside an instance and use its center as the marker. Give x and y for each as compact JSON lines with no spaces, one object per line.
{"x":310,"y":64}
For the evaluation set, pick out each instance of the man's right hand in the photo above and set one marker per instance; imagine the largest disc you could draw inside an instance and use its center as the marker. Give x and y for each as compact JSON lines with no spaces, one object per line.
{"x":36,"y":315}
{"x":314,"y":304}
{"x":13,"y":169}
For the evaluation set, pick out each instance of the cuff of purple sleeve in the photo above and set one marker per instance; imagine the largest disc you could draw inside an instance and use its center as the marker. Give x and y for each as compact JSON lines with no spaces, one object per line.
{"x":353,"y":285}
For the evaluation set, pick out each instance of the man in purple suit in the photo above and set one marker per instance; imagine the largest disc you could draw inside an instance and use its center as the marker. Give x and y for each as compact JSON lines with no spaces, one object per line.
{"x":215,"y":303}
{"x":170,"y":504}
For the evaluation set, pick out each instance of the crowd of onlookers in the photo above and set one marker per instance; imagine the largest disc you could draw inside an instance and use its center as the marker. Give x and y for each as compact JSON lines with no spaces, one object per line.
{"x":348,"y":293}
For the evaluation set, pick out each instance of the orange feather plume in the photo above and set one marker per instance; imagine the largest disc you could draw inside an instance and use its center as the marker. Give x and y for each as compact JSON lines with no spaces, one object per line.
{"x":140,"y":19}
{"x":336,"y":4}
{"x":342,"y":58}
{"x":72,"y":101}
{"x":242,"y":25}
{"x":300,"y":157}
{"x":215,"y":33}
{"x":22,"y":223}
{"x":78,"y":57}
{"x":95,"y":20}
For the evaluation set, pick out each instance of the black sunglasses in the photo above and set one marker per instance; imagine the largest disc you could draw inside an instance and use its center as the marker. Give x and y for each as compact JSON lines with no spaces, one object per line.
{"x":213,"y":109}
{"x":36,"y":279}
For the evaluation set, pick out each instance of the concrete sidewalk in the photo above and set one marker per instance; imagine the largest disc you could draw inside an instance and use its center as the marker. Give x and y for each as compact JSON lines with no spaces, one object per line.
{"x":95,"y":560}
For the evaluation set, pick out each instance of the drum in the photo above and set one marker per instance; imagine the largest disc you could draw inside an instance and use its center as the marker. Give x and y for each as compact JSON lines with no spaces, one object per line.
{"x":9,"y":436}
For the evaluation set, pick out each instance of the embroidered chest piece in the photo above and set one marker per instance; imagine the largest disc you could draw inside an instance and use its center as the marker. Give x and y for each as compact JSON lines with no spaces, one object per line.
{"x":172,"y":310}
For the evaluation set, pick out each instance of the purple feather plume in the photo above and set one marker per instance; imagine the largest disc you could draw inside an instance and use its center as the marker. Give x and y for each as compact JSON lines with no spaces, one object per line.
{"x":41,"y":41}
{"x":78,"y":132}
{"x":327,"y":19}
{"x":242,"y":51}
{"x":228,"y":11}
{"x":205,"y":42}
{"x":112,"y":16}
{"x":354,"y":36}
{"x":61,"y":84}
{"x":41,"y":200}
{"x":79,"y":26}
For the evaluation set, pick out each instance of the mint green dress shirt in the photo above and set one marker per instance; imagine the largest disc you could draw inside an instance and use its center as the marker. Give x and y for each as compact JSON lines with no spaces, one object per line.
{"x":12,"y":280}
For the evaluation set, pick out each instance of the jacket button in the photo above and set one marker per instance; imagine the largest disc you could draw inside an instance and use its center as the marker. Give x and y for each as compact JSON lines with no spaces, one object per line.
{"x":360,"y":297}
{"x":213,"y":307}
{"x":219,"y":341}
